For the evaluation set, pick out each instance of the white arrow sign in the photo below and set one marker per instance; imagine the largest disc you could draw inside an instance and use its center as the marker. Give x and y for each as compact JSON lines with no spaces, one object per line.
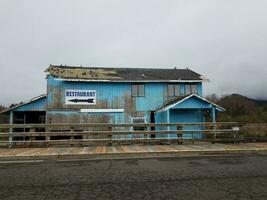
{"x":80,"y":97}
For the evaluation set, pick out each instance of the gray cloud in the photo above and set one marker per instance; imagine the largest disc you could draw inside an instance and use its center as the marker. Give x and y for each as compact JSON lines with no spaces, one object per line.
{"x":224,"y":41}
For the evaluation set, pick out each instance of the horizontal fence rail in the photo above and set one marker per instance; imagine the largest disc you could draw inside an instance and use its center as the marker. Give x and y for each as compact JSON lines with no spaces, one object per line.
{"x":76,"y":133}
{"x":87,"y":125}
{"x":105,"y":133}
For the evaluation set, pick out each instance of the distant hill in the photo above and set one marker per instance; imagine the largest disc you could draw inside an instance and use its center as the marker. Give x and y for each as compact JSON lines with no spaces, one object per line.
{"x":241,"y":108}
{"x":260,"y":102}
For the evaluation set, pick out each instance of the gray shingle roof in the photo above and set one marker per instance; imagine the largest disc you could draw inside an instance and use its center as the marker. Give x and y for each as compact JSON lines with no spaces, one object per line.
{"x":123,"y":74}
{"x":24,"y":103}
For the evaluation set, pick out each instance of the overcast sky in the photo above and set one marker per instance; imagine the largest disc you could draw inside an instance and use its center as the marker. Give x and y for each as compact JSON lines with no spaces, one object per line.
{"x":226,"y":41}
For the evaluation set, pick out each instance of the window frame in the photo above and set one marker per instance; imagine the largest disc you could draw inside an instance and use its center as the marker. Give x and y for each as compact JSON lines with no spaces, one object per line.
{"x":190,"y":85}
{"x":196,"y":88}
{"x":174,"y":90}
{"x":138,"y":93}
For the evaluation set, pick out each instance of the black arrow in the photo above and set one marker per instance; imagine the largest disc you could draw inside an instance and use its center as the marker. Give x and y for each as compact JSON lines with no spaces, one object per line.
{"x":82,"y":100}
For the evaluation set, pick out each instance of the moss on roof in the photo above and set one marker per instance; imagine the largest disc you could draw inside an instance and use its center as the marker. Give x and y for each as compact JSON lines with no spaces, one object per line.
{"x":124,"y":74}
{"x":82,"y":73}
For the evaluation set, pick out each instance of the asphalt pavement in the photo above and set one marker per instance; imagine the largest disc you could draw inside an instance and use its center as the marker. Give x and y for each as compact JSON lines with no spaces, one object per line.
{"x":213,"y":177}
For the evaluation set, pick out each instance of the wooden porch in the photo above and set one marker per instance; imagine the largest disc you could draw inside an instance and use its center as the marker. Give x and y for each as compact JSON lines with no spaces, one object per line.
{"x":126,"y":151}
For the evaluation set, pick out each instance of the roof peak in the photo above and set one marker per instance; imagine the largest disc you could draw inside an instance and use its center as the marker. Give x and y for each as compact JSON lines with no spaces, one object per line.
{"x":115,"y":67}
{"x":181,"y":99}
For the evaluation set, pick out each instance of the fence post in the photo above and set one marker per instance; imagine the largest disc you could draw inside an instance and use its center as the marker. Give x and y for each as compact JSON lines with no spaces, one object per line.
{"x":72,"y":137}
{"x":49,"y":130}
{"x":145,"y":134}
{"x":110,"y":136}
{"x":236,"y":133}
{"x":10,"y":139}
{"x":214,"y":133}
{"x":214,"y":124}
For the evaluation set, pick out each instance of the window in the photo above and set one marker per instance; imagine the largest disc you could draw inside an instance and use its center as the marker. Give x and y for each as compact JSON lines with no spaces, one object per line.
{"x":138,"y":90}
{"x":190,"y":89}
{"x":194,"y":88}
{"x":174,"y":90}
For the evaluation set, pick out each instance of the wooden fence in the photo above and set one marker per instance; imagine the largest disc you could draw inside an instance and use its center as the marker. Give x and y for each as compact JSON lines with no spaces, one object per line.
{"x":102,"y":133}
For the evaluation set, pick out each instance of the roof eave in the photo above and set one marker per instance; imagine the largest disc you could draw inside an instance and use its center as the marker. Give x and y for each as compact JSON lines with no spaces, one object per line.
{"x":164,"y":108}
{"x":131,"y":81}
{"x":24,"y":103}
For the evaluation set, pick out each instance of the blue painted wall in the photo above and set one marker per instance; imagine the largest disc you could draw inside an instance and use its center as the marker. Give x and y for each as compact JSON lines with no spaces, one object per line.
{"x":155,"y":96}
{"x":187,"y":115}
{"x":194,"y":103}
{"x":183,"y":116}
{"x":190,"y":110}
{"x":109,"y":95}
{"x":38,"y":105}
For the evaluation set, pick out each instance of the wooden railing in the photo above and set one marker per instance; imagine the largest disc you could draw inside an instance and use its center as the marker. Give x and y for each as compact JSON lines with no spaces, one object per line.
{"x":102,"y":133}
{"x":253,"y":132}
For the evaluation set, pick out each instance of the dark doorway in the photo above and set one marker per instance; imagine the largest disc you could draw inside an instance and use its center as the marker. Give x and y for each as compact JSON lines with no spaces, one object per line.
{"x":152,"y":120}
{"x":29,"y":117}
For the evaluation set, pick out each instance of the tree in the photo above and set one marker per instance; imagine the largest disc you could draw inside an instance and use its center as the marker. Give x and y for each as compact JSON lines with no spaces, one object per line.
{"x":3,"y":118}
{"x":213,"y":97}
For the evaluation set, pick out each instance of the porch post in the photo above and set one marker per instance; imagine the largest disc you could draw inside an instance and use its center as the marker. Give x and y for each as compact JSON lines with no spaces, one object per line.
{"x":10,"y":129}
{"x":214,"y":125}
{"x":213,"y":115}
{"x":168,"y":121}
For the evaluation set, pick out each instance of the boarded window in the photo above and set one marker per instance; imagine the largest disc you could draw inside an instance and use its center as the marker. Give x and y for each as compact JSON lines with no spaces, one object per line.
{"x":134,"y":90}
{"x":187,"y":89}
{"x":138,"y":90}
{"x":173,"y":90}
{"x":193,"y":88}
{"x":190,"y":89}
{"x":141,"y":90}
{"x":177,"y":90}
{"x":170,"y":90}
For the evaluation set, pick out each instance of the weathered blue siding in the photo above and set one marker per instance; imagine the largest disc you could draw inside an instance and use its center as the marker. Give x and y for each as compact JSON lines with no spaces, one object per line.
{"x":109,"y":95}
{"x":185,"y":116}
{"x":199,"y":89}
{"x":180,"y":116}
{"x":189,"y":110}
{"x":83,"y":117}
{"x":193,"y":103}
{"x":161,"y":117}
{"x":37,"y":105}
{"x":155,"y":96}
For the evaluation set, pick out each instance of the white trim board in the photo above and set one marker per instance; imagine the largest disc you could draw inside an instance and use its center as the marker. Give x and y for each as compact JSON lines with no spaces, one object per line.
{"x":132,"y":81}
{"x":102,"y":110}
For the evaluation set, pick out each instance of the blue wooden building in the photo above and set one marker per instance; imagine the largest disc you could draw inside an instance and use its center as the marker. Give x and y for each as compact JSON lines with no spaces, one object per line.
{"x":118,"y":95}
